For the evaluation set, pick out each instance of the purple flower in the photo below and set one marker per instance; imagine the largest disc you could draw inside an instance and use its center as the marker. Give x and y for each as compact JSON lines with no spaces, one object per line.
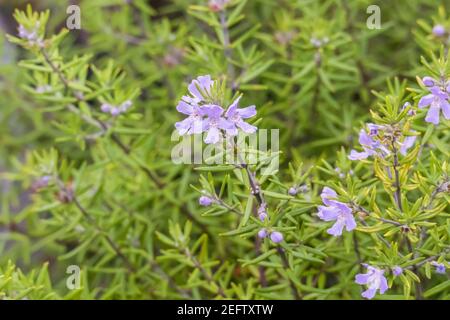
{"x":438,"y":30}
{"x":407,"y":143}
{"x":236,"y":116}
{"x":437,"y":100}
{"x":262,"y":233}
{"x":276,"y":237}
{"x":214,"y":123}
{"x":440,"y":267}
{"x":193,"y":124}
{"x":374,"y":279}
{"x":397,"y":271}
{"x":369,"y":144}
{"x":335,"y":211}
{"x":205,"y":201}
{"x":206,"y":116}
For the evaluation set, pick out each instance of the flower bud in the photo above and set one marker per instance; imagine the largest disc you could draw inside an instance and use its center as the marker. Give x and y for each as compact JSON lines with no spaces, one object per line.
{"x":262,"y":233}
{"x":105,"y":107}
{"x":397,"y":271}
{"x":115,"y":111}
{"x":262,"y":216}
{"x":276,"y":237}
{"x":428,"y":81}
{"x":205,"y":201}
{"x":438,"y":30}
{"x":293,"y":191}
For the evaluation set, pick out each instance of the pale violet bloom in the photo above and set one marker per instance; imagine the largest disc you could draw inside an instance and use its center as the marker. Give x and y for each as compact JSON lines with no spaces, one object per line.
{"x":236,"y":116}
{"x":214,"y":123}
{"x":193,"y":124}
{"x":204,"y":115}
{"x":369,"y":144}
{"x":374,"y":279}
{"x":336,"y":211}
{"x":437,"y":100}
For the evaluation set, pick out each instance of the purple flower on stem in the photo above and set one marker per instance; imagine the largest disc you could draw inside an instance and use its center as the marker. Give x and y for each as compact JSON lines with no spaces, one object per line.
{"x":440,"y":267}
{"x":214,"y":123}
{"x":437,"y":100}
{"x":205,"y":201}
{"x":336,"y":211}
{"x":236,"y":116}
{"x":369,"y":144}
{"x":276,"y":237}
{"x":439,"y":30}
{"x":397,"y":271}
{"x":374,"y":279}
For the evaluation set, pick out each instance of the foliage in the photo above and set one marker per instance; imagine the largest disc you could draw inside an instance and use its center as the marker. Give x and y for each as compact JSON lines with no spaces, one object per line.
{"x":87,"y":134}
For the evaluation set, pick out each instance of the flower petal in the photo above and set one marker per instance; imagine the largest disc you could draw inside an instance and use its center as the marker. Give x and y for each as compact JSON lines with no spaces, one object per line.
{"x":247,"y":112}
{"x":383,"y":284}
{"x":336,"y":229}
{"x":185,"y":108}
{"x":433,"y":114}
{"x":426,"y":100}
{"x":328,"y":213}
{"x":247,"y":128}
{"x":350,"y":222}
{"x":369,"y":293}
{"x":445,"y":106}
{"x":213,"y":136}
{"x":362,"y":278}
{"x":355,"y":155}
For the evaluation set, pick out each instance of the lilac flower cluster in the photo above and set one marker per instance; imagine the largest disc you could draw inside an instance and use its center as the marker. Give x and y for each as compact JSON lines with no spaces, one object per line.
{"x":205,"y":115}
{"x":116,"y":110}
{"x":334,"y":210}
{"x":437,"y":99}
{"x":372,"y":146}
